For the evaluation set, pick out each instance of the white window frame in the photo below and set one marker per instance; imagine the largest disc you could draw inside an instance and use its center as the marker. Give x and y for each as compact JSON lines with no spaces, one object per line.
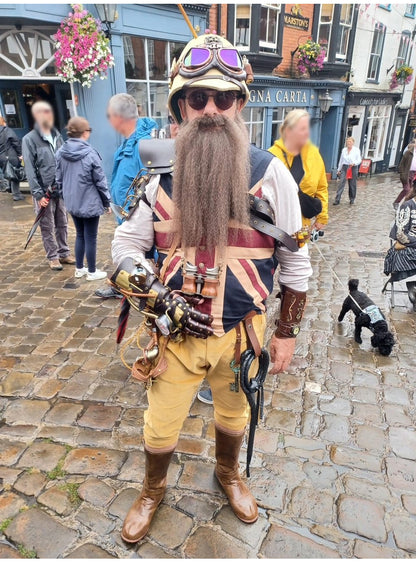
{"x":326,"y":23}
{"x":29,"y":65}
{"x":243,"y":47}
{"x":346,"y":29}
{"x":410,"y":11}
{"x":147,"y":81}
{"x":251,"y":123}
{"x":380,"y":29}
{"x":377,"y":153}
{"x":276,"y":8}
{"x":405,"y":50}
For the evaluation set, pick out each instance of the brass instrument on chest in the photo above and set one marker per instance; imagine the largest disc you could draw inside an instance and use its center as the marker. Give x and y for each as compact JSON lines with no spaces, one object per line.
{"x":201,"y":281}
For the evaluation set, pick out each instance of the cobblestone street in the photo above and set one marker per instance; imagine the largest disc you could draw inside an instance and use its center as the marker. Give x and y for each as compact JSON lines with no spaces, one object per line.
{"x":334,"y":469}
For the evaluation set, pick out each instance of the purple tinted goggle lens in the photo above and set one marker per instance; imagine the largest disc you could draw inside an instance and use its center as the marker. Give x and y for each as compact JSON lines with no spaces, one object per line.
{"x":197,"y":57}
{"x":230,"y":57}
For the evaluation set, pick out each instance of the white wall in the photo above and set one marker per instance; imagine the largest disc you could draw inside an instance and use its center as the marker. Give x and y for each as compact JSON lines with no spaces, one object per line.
{"x":396,"y":22}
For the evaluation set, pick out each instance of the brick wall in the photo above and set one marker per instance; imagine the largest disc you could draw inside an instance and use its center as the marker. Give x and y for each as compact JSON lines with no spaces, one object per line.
{"x":213,"y":18}
{"x":292,"y":38}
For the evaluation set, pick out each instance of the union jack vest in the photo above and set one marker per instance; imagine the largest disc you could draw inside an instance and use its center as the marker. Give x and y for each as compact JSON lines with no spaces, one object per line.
{"x":246,"y":268}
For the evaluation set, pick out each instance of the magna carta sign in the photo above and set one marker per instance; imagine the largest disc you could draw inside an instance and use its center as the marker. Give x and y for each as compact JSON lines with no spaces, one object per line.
{"x":271,"y":97}
{"x":296,"y":20}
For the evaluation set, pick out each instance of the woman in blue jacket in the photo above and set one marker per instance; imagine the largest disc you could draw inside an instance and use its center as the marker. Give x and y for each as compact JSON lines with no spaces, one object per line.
{"x":83,"y":184}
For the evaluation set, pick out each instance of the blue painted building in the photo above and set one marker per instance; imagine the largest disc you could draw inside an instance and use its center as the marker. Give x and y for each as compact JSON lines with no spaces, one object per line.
{"x":144,"y":40}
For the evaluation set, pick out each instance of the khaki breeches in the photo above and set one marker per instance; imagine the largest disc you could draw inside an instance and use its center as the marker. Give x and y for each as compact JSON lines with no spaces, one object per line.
{"x":189,"y":362}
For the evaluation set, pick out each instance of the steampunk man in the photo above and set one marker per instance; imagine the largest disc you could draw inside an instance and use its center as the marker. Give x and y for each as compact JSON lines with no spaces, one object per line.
{"x":217,"y":269}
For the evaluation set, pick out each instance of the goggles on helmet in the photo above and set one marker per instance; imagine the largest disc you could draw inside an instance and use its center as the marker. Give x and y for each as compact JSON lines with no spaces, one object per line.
{"x":198,"y":60}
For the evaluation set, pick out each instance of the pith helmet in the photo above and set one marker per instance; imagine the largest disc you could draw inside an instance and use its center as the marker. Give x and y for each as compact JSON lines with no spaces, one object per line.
{"x":209,"y":61}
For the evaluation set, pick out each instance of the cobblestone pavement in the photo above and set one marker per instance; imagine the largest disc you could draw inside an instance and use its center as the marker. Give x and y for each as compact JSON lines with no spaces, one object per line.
{"x":335,"y":463}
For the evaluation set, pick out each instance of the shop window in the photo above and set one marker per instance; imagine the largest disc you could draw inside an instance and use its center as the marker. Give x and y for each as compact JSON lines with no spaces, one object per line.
{"x":269,"y":21}
{"x":147,"y":65}
{"x":410,"y":11}
{"x":254,"y":118}
{"x":403,"y":55}
{"x":376,"y":52}
{"x":345,"y":25}
{"x":12,"y":111}
{"x":326,"y":17}
{"x":278,"y":117}
{"x":242,"y":26}
{"x":377,"y":127}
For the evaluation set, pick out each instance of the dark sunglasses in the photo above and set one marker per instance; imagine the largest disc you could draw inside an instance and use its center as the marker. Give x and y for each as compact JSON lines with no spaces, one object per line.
{"x":199,"y":99}
{"x":88,"y":130}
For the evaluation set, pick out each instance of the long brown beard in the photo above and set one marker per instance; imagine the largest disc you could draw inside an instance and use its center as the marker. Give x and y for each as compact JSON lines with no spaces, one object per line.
{"x":211,"y":179}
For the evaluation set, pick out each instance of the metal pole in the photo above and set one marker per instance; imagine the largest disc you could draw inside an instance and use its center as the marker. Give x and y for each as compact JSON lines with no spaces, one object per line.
{"x":74,"y":105}
{"x":188,"y":21}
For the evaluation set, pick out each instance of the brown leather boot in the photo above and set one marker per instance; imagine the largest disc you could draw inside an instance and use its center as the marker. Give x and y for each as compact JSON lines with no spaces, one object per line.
{"x":227,"y":448}
{"x":140,"y":515}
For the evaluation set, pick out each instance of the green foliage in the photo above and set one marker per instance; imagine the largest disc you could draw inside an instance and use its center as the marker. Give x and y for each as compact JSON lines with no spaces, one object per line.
{"x":57,"y":472}
{"x":25,"y":552}
{"x":71,"y":489}
{"x":4,"y":524}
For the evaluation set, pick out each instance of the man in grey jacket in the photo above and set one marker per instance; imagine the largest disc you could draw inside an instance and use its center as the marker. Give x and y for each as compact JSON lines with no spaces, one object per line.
{"x":39,"y":148}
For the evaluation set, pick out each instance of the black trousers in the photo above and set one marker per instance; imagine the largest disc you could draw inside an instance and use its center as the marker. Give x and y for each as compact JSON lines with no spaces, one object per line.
{"x":352,"y":183}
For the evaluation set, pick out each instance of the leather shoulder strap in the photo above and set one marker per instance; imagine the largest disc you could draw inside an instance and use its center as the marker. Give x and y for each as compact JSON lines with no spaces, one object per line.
{"x":157,"y":155}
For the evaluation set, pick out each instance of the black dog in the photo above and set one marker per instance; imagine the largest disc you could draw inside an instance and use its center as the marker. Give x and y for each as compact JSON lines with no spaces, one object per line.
{"x":367,"y":315}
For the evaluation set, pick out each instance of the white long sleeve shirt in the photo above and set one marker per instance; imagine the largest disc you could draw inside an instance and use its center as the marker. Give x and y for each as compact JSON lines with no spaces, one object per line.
{"x":352,"y":158}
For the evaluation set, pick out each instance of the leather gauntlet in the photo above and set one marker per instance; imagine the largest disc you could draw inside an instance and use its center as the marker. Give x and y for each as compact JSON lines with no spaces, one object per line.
{"x":291,"y":311}
{"x":174,"y":313}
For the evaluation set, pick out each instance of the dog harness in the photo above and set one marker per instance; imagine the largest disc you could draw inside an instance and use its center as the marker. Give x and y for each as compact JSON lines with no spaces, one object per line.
{"x":374,"y":313}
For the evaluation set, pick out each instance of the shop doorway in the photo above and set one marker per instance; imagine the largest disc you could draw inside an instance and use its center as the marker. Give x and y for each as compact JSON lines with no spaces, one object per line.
{"x":17,"y":98}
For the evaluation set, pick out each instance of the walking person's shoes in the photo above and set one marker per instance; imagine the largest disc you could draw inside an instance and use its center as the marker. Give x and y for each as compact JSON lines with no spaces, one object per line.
{"x":205,"y":396}
{"x":81,"y":272}
{"x":335,"y":203}
{"x":96,"y":276}
{"x":68,"y":260}
{"x":352,"y":201}
{"x":140,"y":515}
{"x":108,"y":293}
{"x":19,"y":197}
{"x":55,"y":265}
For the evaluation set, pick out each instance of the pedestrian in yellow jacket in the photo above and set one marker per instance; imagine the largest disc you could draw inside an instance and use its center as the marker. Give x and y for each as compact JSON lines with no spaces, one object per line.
{"x":295,"y":141}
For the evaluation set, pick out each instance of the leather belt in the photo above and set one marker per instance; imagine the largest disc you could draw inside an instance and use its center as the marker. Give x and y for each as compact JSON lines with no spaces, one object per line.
{"x":261,"y":219}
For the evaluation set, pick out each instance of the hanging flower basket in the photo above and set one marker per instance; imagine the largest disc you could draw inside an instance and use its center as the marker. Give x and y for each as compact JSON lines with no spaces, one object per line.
{"x":82,"y":49}
{"x":402,"y":75}
{"x":311,"y":57}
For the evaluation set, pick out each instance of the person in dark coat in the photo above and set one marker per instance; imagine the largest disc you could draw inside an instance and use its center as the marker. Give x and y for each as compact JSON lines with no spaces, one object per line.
{"x":83,"y":185}
{"x":406,"y":174}
{"x":11,"y":149}
{"x":39,"y":149}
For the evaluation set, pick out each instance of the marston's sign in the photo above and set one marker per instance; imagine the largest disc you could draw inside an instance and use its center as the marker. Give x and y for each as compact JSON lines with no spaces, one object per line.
{"x":296,"y":22}
{"x":278,"y":96}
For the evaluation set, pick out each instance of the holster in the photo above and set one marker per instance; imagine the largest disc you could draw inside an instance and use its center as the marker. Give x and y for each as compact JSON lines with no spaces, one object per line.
{"x":291,"y":312}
